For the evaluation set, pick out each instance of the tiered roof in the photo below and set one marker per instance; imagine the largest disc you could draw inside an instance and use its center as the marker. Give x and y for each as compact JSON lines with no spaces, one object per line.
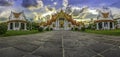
{"x":15,"y":17}
{"x":62,"y":14}
{"x":105,"y":16}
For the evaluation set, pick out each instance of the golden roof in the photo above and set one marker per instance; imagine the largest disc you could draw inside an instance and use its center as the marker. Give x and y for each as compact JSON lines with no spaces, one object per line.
{"x":62,"y":14}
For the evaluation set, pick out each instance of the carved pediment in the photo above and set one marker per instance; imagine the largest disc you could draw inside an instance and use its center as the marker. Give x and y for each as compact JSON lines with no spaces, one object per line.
{"x":16,"y":15}
{"x":105,"y":15}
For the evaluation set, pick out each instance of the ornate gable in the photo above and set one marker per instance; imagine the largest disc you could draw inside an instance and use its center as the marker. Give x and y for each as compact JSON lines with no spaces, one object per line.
{"x":62,"y":14}
{"x":105,"y":15}
{"x":17,"y":15}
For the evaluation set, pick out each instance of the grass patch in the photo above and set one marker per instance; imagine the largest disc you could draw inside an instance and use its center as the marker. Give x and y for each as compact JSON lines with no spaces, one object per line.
{"x":105,"y":32}
{"x":14,"y":33}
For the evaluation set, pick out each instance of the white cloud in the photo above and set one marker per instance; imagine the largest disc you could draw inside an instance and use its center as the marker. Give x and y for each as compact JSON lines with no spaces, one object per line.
{"x":55,"y":3}
{"x":5,"y":12}
{"x":115,"y":12}
{"x":65,"y":3}
{"x":93,"y":11}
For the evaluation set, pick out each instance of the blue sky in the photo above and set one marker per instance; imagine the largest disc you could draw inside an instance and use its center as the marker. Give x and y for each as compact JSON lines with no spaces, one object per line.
{"x":6,"y":6}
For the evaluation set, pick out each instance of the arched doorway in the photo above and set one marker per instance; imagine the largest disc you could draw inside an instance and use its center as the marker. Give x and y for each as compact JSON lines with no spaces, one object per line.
{"x":61,"y":23}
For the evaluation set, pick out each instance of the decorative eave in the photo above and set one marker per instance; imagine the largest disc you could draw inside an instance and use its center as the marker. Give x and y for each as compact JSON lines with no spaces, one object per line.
{"x":62,"y":14}
{"x":17,"y":21}
{"x":104,"y":21}
{"x":116,"y":18}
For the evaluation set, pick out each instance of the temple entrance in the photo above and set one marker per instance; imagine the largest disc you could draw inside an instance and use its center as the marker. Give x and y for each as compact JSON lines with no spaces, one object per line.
{"x":61,"y":23}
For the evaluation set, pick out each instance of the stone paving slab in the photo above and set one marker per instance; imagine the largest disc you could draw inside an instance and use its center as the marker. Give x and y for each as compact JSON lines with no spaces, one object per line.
{"x":26,"y":47}
{"x":59,"y":43}
{"x":100,"y":47}
{"x":11,"y":52}
{"x":29,"y":55}
{"x":49,"y":52}
{"x":79,"y":52}
{"x":113,"y":52}
{"x":4,"y":45}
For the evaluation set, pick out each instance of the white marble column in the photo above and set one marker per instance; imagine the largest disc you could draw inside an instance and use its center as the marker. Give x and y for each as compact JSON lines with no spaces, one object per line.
{"x":113,"y":26}
{"x":58,"y":25}
{"x":25,"y":25}
{"x":103,"y":25}
{"x":8,"y":26}
{"x":97,"y":25}
{"x":108,"y":24}
{"x":14,"y":26}
{"x":65,"y":25}
{"x":19,"y":25}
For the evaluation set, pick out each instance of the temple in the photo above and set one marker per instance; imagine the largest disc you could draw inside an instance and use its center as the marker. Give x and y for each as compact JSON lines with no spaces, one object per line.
{"x":105,"y":20}
{"x":62,"y":21}
{"x":118,"y":23}
{"x":17,"y":21}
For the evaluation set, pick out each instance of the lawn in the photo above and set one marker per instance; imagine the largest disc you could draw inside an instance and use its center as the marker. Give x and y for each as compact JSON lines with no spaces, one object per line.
{"x":14,"y":33}
{"x":105,"y":32}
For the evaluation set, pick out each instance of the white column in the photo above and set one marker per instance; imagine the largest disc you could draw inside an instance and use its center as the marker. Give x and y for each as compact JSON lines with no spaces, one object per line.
{"x":58,"y":25}
{"x":103,"y":25}
{"x":108,"y":23}
{"x":113,"y":26}
{"x":25,"y":25}
{"x":97,"y":25}
{"x":19,"y":25}
{"x":64,"y":25}
{"x":8,"y":26}
{"x":14,"y":26}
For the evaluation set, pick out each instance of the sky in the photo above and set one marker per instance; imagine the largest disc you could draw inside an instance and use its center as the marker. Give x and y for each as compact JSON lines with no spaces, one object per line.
{"x":35,"y":7}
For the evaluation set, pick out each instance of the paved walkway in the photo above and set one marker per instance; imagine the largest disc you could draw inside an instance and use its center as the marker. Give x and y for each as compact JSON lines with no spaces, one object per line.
{"x":60,"y":44}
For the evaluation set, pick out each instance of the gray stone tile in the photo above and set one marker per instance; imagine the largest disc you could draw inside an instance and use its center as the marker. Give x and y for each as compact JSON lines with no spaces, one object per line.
{"x":38,"y":43}
{"x":76,"y":44}
{"x":107,"y":41}
{"x":100,"y":47}
{"x":114,"y":52}
{"x":53,"y":44}
{"x":11,"y":52}
{"x":4,"y":45}
{"x":49,"y":52}
{"x":80,"y":52}
{"x":31,"y":56}
{"x":98,"y":56}
{"x":26,"y":47}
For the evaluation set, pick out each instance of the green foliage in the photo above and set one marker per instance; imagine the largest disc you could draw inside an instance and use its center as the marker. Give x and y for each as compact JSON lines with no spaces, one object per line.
{"x":115,"y":32}
{"x":72,"y":29}
{"x":83,"y":29}
{"x":35,"y":26}
{"x":47,"y":29}
{"x":21,"y":32}
{"x":91,"y":26}
{"x":40,"y":29}
{"x":51,"y":29}
{"x":32,"y":26}
{"x":76,"y":29}
{"x":3,"y":28}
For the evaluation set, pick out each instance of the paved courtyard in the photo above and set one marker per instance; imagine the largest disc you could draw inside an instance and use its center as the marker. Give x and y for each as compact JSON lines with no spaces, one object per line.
{"x":60,"y":44}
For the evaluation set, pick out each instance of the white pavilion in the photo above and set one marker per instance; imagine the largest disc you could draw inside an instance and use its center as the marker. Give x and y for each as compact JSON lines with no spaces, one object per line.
{"x":105,"y":20}
{"x":17,"y":21}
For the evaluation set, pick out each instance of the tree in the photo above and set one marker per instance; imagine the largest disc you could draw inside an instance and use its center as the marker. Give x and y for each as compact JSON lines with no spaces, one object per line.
{"x":3,"y":28}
